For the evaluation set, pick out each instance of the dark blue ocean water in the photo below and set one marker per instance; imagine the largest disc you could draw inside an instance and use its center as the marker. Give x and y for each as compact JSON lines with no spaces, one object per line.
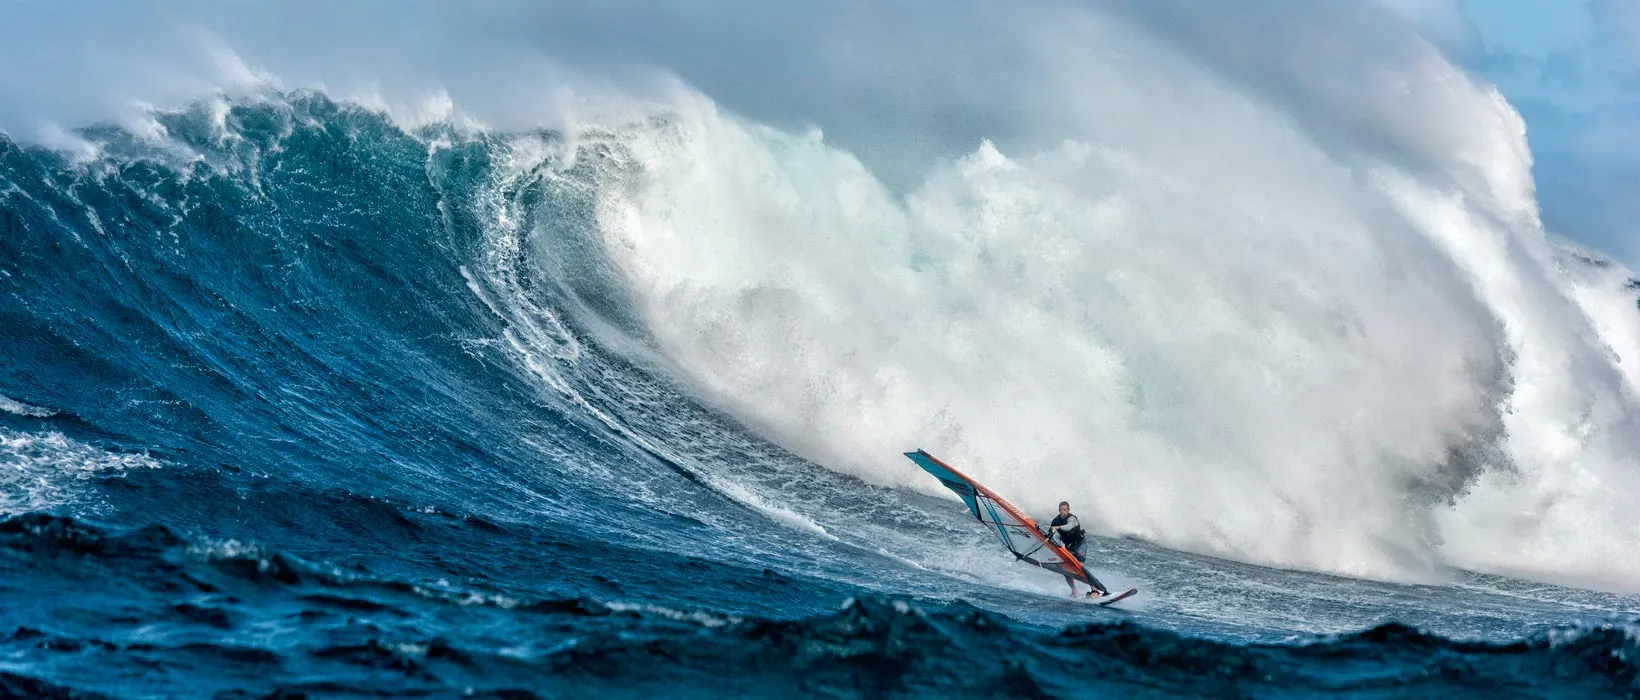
{"x":300,"y":403}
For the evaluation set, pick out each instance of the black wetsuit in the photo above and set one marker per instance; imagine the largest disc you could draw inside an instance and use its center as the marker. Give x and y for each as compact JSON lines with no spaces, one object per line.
{"x":1070,"y":534}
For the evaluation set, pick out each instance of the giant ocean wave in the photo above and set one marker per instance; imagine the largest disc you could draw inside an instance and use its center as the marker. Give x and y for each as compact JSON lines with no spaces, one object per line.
{"x":1305,"y":357}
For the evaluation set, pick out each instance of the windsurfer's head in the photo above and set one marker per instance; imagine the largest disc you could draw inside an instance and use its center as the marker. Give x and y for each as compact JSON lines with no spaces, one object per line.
{"x":1064,"y":507}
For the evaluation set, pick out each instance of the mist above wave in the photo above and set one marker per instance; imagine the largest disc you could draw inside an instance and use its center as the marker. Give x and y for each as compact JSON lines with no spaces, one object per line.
{"x":1207,"y":312}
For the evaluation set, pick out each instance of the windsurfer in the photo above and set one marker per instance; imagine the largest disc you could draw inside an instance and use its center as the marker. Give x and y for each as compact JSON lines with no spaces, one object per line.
{"x":1073,"y":538}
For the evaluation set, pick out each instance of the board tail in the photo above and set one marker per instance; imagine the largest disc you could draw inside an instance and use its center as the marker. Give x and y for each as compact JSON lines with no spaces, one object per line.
{"x":1124,"y":595}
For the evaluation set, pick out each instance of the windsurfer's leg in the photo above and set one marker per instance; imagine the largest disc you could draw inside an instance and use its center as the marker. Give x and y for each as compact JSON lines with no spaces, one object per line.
{"x":1096,"y":589}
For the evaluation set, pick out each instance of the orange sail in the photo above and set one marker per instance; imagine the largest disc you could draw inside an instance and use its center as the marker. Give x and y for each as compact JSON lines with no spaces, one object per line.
{"x":1018,"y":532}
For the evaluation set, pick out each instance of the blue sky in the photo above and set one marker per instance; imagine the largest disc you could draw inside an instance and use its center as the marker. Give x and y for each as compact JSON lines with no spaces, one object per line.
{"x":1572,"y":68}
{"x":1545,"y":49}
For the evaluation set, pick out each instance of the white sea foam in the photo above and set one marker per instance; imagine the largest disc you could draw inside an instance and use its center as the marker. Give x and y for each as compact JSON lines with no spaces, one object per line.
{"x":14,"y":406}
{"x":43,"y":470}
{"x":1208,"y":323}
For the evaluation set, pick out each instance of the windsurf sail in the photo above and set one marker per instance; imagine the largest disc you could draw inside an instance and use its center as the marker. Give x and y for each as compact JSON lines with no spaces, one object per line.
{"x":1018,"y":532}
